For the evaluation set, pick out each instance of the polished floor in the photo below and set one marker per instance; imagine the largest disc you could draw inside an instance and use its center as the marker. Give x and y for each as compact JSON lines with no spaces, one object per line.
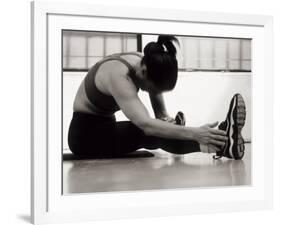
{"x":163,"y":171}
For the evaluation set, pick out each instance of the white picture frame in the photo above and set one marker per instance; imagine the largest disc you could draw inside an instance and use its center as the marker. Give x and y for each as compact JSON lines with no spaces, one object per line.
{"x":48,"y":205}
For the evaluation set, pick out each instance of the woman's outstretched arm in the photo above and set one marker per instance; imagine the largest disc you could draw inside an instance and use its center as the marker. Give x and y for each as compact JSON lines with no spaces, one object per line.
{"x":126,"y":96}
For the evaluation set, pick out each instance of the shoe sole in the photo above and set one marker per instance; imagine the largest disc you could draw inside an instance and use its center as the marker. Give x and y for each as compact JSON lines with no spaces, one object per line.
{"x":235,"y":122}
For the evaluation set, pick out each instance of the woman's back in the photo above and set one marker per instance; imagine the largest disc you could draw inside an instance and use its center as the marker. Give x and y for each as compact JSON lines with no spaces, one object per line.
{"x":93,"y":95}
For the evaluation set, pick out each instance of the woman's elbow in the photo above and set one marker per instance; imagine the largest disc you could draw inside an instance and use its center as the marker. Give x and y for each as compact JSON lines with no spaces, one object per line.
{"x":148,"y":131}
{"x":145,"y":126}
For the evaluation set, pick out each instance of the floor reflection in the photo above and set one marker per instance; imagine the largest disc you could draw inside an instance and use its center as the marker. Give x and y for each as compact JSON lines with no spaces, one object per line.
{"x":164,"y":171}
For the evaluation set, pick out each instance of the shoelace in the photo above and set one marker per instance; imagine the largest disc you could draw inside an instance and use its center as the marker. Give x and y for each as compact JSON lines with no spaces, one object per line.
{"x":216,"y":157}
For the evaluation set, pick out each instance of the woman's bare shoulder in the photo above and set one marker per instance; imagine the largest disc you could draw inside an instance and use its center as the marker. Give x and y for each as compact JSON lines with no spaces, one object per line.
{"x":113,"y":71}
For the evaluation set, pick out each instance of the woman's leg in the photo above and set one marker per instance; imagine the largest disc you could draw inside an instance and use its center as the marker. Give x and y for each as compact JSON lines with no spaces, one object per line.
{"x":91,"y":136}
{"x":97,"y":137}
{"x":129,"y":138}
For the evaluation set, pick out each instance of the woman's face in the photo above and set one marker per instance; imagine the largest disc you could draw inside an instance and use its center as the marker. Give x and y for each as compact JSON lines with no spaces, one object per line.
{"x":146,"y":84}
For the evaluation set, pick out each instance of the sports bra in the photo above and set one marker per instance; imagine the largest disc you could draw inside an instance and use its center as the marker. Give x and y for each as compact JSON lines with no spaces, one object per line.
{"x":102,"y":104}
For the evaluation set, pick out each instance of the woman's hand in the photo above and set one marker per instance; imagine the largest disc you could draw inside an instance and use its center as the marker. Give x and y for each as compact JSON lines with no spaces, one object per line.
{"x":207,"y":135}
{"x":168,"y":119}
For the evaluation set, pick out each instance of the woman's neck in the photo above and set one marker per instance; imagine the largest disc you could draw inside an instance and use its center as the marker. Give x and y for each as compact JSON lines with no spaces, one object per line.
{"x":138,"y":69}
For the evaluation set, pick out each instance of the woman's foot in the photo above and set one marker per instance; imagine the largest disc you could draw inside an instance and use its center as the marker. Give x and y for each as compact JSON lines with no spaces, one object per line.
{"x":233,"y":124}
{"x":180,"y":118}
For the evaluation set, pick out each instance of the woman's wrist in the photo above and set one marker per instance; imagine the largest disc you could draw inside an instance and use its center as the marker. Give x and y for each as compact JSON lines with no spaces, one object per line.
{"x":190,"y":133}
{"x":162,"y":115}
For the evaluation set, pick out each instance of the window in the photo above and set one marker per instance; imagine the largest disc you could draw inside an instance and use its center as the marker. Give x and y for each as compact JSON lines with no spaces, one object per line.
{"x":214,"y":54}
{"x":81,"y":49}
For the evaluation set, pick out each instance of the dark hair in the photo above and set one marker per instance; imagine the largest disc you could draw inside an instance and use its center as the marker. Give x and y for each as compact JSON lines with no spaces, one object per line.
{"x":161,"y":63}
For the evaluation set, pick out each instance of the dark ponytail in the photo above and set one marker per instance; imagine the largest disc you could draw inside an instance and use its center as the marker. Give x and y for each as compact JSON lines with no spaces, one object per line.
{"x":160,"y":60}
{"x":158,"y":47}
{"x":167,"y":41}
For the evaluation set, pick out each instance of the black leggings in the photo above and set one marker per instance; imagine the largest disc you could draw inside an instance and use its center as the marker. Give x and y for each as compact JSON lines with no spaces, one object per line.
{"x":101,"y":137}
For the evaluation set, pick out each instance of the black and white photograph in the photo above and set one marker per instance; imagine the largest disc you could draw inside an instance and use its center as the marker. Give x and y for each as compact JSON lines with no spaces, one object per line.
{"x":150,"y":112}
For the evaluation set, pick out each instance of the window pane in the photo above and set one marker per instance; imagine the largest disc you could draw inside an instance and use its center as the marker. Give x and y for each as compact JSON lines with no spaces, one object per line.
{"x":131,"y":44}
{"x":246,"y":65}
{"x":190,"y":52}
{"x":234,"y":49}
{"x":234,"y":64}
{"x":77,"y":46}
{"x":65,"y":62}
{"x":234,"y":54}
{"x":113,"y":45}
{"x":65,"y":45}
{"x":180,"y":57}
{"x":220,"y":49}
{"x":96,"y":45}
{"x":77,"y":62}
{"x":93,"y":60}
{"x":246,"y":49}
{"x":206,"y":56}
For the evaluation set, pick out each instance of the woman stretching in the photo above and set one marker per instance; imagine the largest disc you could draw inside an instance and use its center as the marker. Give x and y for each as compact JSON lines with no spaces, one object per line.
{"x":112,"y":84}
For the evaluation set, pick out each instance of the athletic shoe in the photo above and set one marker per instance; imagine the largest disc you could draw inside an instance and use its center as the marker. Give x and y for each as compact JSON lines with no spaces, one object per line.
{"x":180,"y":119}
{"x":235,"y":120}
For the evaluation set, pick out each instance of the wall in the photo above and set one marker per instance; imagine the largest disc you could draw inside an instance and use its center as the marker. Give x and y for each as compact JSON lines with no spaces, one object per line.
{"x":203,"y":97}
